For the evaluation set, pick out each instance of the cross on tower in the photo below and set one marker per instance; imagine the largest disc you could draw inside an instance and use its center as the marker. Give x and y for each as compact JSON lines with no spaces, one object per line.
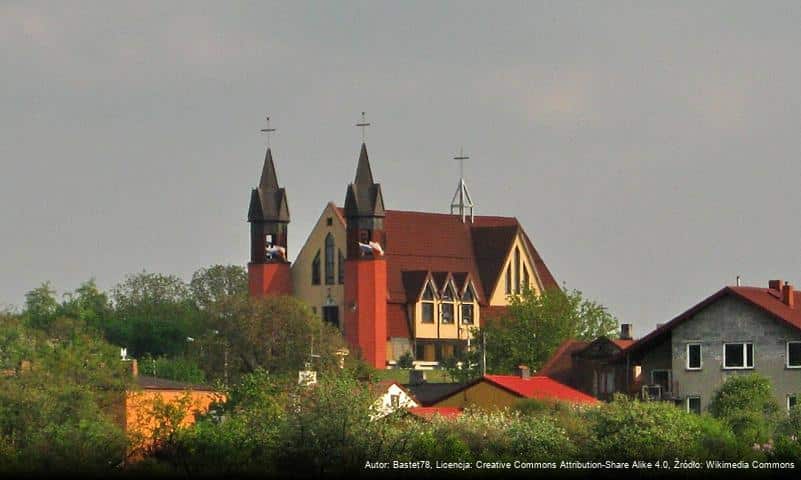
{"x":461,"y":158}
{"x":363,"y":124}
{"x":268,"y":130}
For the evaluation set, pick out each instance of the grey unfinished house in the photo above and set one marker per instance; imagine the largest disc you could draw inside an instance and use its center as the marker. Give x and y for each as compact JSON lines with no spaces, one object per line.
{"x":737,"y":330}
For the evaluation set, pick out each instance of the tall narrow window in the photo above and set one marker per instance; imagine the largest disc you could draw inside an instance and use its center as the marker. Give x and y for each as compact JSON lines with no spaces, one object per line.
{"x":792,"y":401}
{"x":467,"y":306}
{"x":329,"y":259}
{"x":694,"y":404}
{"x":316,"y":269}
{"x":341,"y":268}
{"x":508,"y":288}
{"x":693,"y":356}
{"x":447,"y":304}
{"x":793,"y":354}
{"x":525,"y":277}
{"x":427,"y":305}
{"x":517,"y":270}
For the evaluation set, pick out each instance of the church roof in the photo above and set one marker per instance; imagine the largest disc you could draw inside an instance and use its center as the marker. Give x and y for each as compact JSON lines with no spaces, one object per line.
{"x":268,"y":201}
{"x":364,"y":197}
{"x":421,"y":242}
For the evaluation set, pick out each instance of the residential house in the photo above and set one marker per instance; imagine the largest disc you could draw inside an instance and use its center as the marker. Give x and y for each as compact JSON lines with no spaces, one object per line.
{"x":390,"y":397}
{"x":492,"y":392}
{"x":735,"y":331}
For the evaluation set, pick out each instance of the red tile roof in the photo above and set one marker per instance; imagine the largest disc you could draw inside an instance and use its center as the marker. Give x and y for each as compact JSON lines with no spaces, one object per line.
{"x":766,"y":299}
{"x":429,"y":412}
{"x":560,"y":365}
{"x":437,"y":242}
{"x":540,"y":387}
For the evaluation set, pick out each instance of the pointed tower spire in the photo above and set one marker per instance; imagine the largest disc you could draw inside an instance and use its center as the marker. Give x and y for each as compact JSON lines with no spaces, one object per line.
{"x":364,"y":174}
{"x":269,"y":179}
{"x":461,"y":201}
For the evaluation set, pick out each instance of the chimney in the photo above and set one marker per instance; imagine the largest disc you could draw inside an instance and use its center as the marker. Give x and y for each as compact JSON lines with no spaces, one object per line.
{"x":625,"y":331}
{"x":417,"y":377}
{"x":738,"y":280}
{"x":523,"y":371}
{"x":134,"y":368}
{"x":787,"y":295}
{"x":775,"y":285}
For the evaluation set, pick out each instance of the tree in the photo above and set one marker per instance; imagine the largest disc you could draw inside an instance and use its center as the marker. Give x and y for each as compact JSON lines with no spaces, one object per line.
{"x":277,"y":334}
{"x":535,"y":324}
{"x":153,"y":313}
{"x":41,"y":306}
{"x":746,"y":403}
{"x":211,"y":284}
{"x":88,"y":304}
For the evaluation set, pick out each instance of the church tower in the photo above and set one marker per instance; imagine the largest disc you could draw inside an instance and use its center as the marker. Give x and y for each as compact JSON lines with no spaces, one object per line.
{"x":268,"y":215}
{"x":365,"y":267}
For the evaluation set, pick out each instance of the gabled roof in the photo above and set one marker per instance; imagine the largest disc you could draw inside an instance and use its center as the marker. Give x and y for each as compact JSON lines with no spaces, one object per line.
{"x":439,"y":242}
{"x":430,"y":393}
{"x":560,"y":364}
{"x":766,"y":299}
{"x":537,"y":387}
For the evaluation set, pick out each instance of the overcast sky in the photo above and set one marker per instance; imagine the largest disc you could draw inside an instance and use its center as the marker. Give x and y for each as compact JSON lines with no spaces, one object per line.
{"x":652,"y":150}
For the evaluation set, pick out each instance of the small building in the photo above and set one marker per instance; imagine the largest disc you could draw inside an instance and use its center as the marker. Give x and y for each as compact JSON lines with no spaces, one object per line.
{"x":737,"y":330}
{"x":492,"y":392}
{"x":391,"y":396}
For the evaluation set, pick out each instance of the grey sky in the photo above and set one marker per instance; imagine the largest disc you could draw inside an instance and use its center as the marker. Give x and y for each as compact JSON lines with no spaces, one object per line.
{"x":652,"y":150}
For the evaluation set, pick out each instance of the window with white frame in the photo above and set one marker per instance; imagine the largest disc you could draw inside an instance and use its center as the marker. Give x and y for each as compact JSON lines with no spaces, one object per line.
{"x":792,"y":401}
{"x":793,"y":354}
{"x":427,"y":305}
{"x":738,"y":355}
{"x":447,"y":306}
{"x":467,"y":306}
{"x":693,"y":404}
{"x":693,"y":356}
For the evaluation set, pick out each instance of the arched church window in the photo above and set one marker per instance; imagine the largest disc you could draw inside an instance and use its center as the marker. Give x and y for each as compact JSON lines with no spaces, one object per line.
{"x":315,"y":273}
{"x":329,"y":259}
{"x":427,"y":305}
{"x":447,"y":304}
{"x":341,"y":268}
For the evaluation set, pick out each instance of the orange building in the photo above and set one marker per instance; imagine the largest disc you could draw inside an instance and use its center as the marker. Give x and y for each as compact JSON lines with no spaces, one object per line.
{"x":156,"y":406}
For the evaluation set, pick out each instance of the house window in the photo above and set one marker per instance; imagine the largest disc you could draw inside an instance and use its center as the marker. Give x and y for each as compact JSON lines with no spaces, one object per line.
{"x":331,"y":315}
{"x":329,"y":259}
{"x":316,"y":269}
{"x":394,"y":400}
{"x":329,"y":221}
{"x":447,"y":304}
{"x":693,"y":356}
{"x":467,"y":306}
{"x":607,"y":381}
{"x":738,"y":355}
{"x":793,"y":354}
{"x":662,"y":378}
{"x":792,"y":401}
{"x":517,"y":270}
{"x":341,"y":268}
{"x":694,"y":404}
{"x":427,"y":305}
{"x":508,"y":280}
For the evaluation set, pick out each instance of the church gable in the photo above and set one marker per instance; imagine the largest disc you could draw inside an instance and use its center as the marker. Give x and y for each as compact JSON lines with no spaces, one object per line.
{"x":517,"y":271}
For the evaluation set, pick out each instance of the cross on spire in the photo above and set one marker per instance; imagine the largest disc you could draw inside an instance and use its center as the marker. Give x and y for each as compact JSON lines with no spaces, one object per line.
{"x":363,"y":124}
{"x":461,"y":158}
{"x":268,"y":130}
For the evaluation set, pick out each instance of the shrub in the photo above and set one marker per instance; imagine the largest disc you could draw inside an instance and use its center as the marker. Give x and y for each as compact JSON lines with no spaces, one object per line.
{"x":746,"y":403}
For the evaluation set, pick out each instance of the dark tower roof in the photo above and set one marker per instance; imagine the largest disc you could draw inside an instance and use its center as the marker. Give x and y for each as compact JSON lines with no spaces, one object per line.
{"x":364,"y":198}
{"x":268,"y":202}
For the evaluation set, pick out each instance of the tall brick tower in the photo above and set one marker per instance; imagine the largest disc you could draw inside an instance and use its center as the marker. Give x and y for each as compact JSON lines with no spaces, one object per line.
{"x":268,"y":215}
{"x":365,"y":267}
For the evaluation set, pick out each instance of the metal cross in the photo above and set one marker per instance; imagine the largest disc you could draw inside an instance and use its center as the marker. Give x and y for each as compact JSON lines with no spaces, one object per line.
{"x":364,"y":124}
{"x":268,"y":130}
{"x":461,"y":158}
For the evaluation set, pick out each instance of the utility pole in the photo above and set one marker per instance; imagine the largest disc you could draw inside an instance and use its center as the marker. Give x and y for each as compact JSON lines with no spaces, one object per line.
{"x":484,"y":353}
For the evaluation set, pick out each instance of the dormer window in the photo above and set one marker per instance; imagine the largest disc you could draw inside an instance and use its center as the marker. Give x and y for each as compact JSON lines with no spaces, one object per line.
{"x":427,"y":305}
{"x":447,"y":306}
{"x":467,"y":306}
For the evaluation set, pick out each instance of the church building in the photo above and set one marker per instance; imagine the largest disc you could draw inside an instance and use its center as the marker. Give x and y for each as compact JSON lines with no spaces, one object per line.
{"x":393,"y":281}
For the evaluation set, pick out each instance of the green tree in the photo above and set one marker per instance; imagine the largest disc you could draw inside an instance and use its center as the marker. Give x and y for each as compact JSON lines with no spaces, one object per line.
{"x":211,"y":284}
{"x":747,"y":404}
{"x":41,"y":306}
{"x":153,"y":313}
{"x":88,"y":304}
{"x":535,"y":325}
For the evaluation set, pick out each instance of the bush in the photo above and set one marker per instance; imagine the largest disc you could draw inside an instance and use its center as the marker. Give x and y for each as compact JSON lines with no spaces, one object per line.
{"x":746,"y":403}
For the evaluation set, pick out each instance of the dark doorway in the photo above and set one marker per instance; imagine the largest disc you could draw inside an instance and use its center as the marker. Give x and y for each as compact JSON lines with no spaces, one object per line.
{"x":331,"y":315}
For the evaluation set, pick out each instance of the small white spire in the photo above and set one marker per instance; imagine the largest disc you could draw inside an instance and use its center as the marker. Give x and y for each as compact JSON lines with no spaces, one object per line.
{"x":462,"y":202}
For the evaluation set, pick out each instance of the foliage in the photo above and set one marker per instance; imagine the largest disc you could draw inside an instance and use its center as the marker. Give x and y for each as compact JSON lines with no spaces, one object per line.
{"x":536,"y":324}
{"x":465,"y":366}
{"x":746,"y":403}
{"x":41,"y":306}
{"x":180,"y":368}
{"x":212,"y":284}
{"x":406,"y":360}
